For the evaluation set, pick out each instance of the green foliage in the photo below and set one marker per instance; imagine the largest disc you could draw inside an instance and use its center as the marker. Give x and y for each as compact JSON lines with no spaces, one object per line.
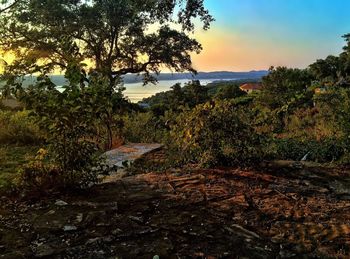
{"x":334,"y":107}
{"x":195,"y":93}
{"x":120,"y":35}
{"x":19,"y":128}
{"x":229,"y":91}
{"x":146,"y":127}
{"x":285,"y":88}
{"x":39,"y":175}
{"x":12,"y":159}
{"x":322,"y":151}
{"x":111,"y":35}
{"x":334,"y":70}
{"x":190,"y":95}
{"x":69,"y":118}
{"x":218,"y":133}
{"x":326,"y":71}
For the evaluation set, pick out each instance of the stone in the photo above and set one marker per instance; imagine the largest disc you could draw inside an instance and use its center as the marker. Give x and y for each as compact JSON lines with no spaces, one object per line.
{"x":69,"y":228}
{"x":44,"y":250}
{"x":61,"y":203}
{"x":79,"y":218}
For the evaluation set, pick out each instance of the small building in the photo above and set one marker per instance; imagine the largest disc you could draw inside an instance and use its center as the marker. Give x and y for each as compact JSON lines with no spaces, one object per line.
{"x":320,"y":90}
{"x":251,"y":87}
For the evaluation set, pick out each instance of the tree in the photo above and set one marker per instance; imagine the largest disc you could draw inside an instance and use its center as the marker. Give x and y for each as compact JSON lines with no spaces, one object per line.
{"x":344,"y":58}
{"x":101,"y":38}
{"x":219,"y":132}
{"x":284,"y":90}
{"x":334,"y":70}
{"x":284,"y":86}
{"x":177,"y":96}
{"x":327,"y":70}
{"x":229,"y":91}
{"x":195,"y":93}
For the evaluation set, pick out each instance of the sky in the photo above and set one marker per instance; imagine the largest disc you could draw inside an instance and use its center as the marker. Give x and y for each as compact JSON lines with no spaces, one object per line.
{"x":257,"y":34}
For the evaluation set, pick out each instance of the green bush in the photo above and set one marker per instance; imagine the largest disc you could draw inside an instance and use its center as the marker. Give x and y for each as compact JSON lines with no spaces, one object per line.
{"x":19,"y":128}
{"x":145,"y":128}
{"x":323,"y":151}
{"x":41,"y":175}
{"x":218,"y":133}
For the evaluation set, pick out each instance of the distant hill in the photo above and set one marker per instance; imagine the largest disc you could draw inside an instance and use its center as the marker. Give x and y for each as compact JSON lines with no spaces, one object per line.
{"x":128,"y":79}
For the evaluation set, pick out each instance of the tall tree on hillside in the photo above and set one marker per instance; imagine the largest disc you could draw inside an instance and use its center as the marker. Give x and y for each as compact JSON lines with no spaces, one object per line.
{"x":284,"y":90}
{"x":284,"y":86}
{"x":196,"y":93}
{"x":326,"y":70}
{"x":101,"y":38}
{"x":334,"y":70}
{"x":177,"y":96}
{"x":345,"y":62}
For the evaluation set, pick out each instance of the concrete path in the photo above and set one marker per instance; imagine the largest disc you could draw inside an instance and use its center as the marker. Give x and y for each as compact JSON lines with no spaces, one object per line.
{"x":126,"y":154}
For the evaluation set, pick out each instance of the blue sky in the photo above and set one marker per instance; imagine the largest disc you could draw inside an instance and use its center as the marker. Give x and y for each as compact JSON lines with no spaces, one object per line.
{"x":255,"y":34}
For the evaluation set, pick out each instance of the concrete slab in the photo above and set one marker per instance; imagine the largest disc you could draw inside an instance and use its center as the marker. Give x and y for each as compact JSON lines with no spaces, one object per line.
{"x":126,"y":154}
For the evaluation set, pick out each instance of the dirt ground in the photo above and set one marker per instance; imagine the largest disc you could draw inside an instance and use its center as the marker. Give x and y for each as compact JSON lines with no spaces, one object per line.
{"x":280,"y":212}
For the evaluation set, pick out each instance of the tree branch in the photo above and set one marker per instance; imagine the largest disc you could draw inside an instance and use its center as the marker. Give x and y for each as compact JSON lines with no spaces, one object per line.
{"x":134,"y":70}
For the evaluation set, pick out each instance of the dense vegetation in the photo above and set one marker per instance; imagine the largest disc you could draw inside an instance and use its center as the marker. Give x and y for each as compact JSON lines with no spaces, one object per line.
{"x":94,"y":44}
{"x":298,"y":113}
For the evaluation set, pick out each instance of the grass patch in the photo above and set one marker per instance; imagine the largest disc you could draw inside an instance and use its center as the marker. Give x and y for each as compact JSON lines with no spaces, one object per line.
{"x":12,"y":158}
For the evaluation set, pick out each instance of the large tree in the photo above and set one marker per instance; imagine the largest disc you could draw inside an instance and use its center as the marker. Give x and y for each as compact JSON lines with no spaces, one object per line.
{"x":116,"y":36}
{"x":334,"y":70}
{"x":283,"y":87}
{"x":101,"y":38}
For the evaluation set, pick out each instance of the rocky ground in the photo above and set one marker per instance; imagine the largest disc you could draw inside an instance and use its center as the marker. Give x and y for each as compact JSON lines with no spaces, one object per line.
{"x":280,"y":212}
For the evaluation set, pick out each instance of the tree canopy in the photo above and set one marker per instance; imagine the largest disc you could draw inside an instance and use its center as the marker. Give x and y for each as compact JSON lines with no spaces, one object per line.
{"x":95,"y":42}
{"x":113,"y":37}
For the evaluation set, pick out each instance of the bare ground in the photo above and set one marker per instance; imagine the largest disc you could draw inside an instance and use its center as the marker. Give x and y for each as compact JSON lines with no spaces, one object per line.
{"x":189,"y":213}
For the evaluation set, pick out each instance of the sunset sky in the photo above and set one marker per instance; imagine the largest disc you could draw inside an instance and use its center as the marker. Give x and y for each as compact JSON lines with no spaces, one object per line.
{"x":255,"y":34}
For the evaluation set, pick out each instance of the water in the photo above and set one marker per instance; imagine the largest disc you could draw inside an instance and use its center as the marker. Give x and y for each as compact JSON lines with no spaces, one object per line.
{"x":136,"y":91}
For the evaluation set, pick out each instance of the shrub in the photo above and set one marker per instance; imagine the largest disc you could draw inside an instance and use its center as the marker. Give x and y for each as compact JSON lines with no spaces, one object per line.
{"x":218,"y":133}
{"x":41,"y":175}
{"x":145,"y":128}
{"x":323,"y":151}
{"x":19,"y":128}
{"x":69,"y":118}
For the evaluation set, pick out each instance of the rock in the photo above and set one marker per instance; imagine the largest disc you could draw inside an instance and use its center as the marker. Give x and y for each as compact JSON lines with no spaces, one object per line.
{"x":51,"y":212}
{"x":79,"y":217}
{"x":44,"y":250}
{"x":69,"y":228}
{"x":237,"y":229}
{"x":61,"y":203}
{"x":286,"y":254}
{"x":340,"y":188}
{"x":136,"y":219}
{"x":93,"y":241}
{"x":117,"y":231}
